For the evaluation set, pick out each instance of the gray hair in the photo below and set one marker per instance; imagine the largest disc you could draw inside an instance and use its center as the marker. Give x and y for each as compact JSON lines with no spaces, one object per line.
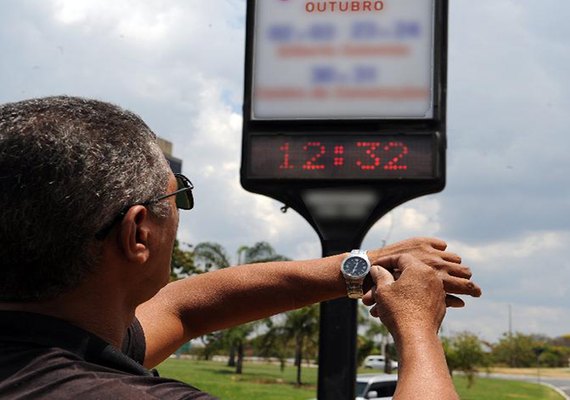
{"x":68,"y":166}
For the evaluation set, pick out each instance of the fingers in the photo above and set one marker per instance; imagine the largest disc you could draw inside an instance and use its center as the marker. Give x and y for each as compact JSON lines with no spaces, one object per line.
{"x":453,"y":301}
{"x":456,"y":285}
{"x":397,"y":263}
{"x":451,"y":257}
{"x":454,"y":269}
{"x":436,"y":243}
{"x":380,"y":277}
{"x":456,"y":277}
{"x":368,"y":297}
{"x":374,"y":311}
{"x":406,"y":261}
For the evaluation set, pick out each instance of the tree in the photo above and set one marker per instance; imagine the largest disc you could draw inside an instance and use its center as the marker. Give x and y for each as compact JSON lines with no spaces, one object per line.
{"x":464,"y":352}
{"x":515,"y":350}
{"x":299,"y":328}
{"x":554,"y":356}
{"x":212,"y":343}
{"x":367,"y":345}
{"x":364,"y":347}
{"x":563,"y":341}
{"x":182,"y":262}
{"x":235,"y":340}
{"x":525,"y":351}
{"x":210,"y":255}
{"x":302,"y":326}
{"x":259,"y":252}
{"x":213,"y":256}
{"x":273,"y":343}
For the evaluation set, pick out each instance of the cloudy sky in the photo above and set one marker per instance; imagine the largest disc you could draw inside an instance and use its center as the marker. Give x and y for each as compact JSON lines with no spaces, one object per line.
{"x":179,"y":64}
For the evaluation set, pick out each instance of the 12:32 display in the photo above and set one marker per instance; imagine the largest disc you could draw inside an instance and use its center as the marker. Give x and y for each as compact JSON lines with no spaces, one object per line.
{"x":341,"y":157}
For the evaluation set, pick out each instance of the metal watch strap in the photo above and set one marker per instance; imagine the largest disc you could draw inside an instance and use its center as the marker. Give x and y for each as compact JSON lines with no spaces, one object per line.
{"x":354,"y":287}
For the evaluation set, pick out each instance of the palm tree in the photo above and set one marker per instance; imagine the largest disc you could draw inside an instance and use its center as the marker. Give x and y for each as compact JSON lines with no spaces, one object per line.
{"x":235,"y":340}
{"x":300,"y":328}
{"x":273,"y":343}
{"x":375,"y":328}
{"x":259,"y":252}
{"x":182,"y":262}
{"x":213,"y":256}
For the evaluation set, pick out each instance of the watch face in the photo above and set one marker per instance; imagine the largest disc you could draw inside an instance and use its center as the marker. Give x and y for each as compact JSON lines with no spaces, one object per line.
{"x":355,"y":266}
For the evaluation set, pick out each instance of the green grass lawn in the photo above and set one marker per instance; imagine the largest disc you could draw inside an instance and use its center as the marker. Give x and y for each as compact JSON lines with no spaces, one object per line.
{"x":494,"y":389}
{"x":267,"y":382}
{"x":258,"y":381}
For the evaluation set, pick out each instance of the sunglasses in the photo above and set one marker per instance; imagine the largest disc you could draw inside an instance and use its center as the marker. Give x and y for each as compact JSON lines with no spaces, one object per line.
{"x":184,"y":198}
{"x":184,"y":201}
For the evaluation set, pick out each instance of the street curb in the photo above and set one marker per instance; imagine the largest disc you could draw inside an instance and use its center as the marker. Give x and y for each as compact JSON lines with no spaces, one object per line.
{"x":560,"y":392}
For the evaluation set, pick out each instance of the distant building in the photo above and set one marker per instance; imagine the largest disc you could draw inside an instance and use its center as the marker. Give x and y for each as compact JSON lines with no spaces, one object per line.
{"x":175,"y":163}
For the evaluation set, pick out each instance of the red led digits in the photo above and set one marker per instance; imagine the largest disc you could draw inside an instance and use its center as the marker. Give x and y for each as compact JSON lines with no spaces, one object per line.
{"x":347,"y":158}
{"x":372,"y":147}
{"x":311,"y":164}
{"x":393,"y":164}
{"x":339,"y":153}
{"x":285,"y":150}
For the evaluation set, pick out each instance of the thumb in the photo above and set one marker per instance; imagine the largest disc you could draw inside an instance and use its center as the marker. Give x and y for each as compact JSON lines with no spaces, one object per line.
{"x":381,"y":276}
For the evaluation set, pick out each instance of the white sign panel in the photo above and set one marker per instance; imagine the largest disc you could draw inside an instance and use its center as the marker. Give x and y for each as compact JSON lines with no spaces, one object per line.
{"x":354,"y":59}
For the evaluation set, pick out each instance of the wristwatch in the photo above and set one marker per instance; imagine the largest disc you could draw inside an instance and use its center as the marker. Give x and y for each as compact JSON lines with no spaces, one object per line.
{"x":354,"y":268}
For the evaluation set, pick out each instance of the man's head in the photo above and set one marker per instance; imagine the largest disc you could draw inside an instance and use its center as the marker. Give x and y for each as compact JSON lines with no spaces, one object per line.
{"x":68,"y":166}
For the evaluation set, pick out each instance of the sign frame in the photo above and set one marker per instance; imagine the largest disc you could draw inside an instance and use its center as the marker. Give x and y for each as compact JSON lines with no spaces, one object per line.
{"x":435,"y":126}
{"x":337,"y":358}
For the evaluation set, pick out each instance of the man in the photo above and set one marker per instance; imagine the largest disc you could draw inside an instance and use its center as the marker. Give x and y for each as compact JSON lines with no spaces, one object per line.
{"x":89,"y":217}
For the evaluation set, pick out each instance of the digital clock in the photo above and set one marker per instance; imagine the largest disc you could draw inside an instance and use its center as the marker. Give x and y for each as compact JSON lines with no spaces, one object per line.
{"x":344,"y":119}
{"x":342,"y":157}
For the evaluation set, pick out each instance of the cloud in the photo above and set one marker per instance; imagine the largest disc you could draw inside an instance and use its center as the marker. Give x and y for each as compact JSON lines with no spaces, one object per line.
{"x":508,"y":92}
{"x":179,"y":64}
{"x":490,"y":319}
{"x":224,"y":212}
{"x":529,"y":273}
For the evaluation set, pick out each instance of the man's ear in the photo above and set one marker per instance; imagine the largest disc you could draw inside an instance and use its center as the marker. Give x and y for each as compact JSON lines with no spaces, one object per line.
{"x":134,"y":234}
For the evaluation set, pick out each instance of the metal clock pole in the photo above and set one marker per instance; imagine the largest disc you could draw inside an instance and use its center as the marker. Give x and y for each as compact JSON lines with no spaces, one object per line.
{"x":344,"y":119}
{"x":337,"y":337}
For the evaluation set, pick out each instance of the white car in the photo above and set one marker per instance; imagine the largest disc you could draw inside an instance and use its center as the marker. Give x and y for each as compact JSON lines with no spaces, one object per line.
{"x":378,"y":362}
{"x":378,"y":386}
{"x":375,"y":387}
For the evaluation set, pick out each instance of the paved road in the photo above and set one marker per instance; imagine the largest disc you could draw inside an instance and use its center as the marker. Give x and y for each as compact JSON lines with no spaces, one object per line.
{"x":562,"y":384}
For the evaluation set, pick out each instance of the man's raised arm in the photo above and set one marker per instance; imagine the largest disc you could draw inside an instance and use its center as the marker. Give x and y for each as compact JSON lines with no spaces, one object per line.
{"x":221,"y":299}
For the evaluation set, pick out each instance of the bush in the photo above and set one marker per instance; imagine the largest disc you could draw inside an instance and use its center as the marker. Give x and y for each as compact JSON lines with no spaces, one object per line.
{"x":464,"y":352}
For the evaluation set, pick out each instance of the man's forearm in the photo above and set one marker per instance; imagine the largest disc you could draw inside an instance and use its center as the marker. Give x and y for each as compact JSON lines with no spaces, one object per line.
{"x":221,"y":299}
{"x":244,"y":293}
{"x":423,"y":369}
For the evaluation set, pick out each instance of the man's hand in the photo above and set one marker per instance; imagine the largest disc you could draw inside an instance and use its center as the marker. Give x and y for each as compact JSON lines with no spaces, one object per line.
{"x":412,"y":308}
{"x":414,"y":303}
{"x":432,"y":252}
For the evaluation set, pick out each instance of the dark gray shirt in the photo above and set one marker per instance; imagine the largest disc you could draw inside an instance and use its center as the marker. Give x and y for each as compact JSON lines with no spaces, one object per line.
{"x":46,"y":358}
